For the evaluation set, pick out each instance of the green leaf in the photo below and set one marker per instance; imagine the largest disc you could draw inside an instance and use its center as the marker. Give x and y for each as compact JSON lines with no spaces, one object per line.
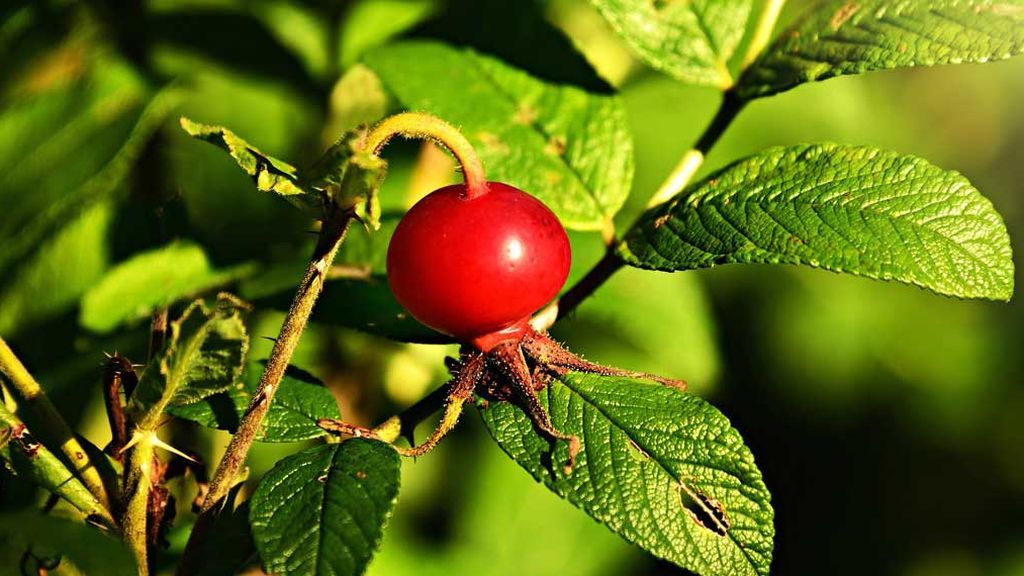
{"x":661,"y":468}
{"x":323,"y":510}
{"x":842,"y":37}
{"x":847,"y":209}
{"x":61,"y":270}
{"x":370,"y":24}
{"x":204,"y":355}
{"x":570,"y":149}
{"x":300,"y":401}
{"x":85,"y":140}
{"x":691,"y":41}
{"x":136,"y":287}
{"x":269,"y":173}
{"x":357,"y":99}
{"x":89,"y":550}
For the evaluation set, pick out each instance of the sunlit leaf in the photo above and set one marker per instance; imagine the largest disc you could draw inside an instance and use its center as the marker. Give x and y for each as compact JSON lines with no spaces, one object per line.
{"x":661,"y":468}
{"x":846,"y":209}
{"x":136,"y":287}
{"x":569,"y":148}
{"x":691,"y":41}
{"x":840,"y":37}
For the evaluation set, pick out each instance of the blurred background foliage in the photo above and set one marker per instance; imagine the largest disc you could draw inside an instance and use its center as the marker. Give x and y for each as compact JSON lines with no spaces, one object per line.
{"x":886,"y":420}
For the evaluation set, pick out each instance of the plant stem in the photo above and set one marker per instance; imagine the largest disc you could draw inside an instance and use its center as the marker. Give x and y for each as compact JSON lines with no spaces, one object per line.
{"x":419,"y":125}
{"x":332,"y":233}
{"x":138,"y":483}
{"x":680,"y":176}
{"x":676,"y":182}
{"x":47,"y":470}
{"x":54,"y":426}
{"x":762,"y":31}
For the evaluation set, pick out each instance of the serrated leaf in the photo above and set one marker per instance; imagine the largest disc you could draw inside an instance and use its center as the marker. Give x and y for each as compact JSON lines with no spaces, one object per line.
{"x":136,"y":287}
{"x":300,"y":401}
{"x":323,"y":510}
{"x":842,"y":37}
{"x":89,"y":550}
{"x":692,"y":41}
{"x":661,"y":468}
{"x":848,"y":209}
{"x":269,"y":173}
{"x":204,"y":355}
{"x":570,"y":149}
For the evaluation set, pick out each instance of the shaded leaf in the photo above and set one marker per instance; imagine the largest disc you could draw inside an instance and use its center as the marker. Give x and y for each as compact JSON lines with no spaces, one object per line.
{"x":691,"y":41}
{"x":570,"y":149}
{"x":323,"y":510}
{"x":356,"y":294}
{"x":204,"y":355}
{"x":136,"y":287}
{"x":847,"y":209}
{"x":300,"y":401}
{"x":661,"y":468}
{"x":87,"y":548}
{"x":841,"y":37}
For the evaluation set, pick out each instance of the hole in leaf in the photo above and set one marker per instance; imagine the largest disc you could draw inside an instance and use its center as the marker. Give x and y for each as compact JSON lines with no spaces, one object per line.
{"x":707,"y":512}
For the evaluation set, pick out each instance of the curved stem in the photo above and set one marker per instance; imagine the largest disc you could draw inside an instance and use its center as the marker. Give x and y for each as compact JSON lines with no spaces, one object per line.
{"x":419,"y":125}
{"x":54,"y":426}
{"x":43,"y":467}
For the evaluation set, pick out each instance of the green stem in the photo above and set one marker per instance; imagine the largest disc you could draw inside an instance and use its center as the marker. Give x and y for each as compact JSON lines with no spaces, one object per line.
{"x":332,"y":233}
{"x":31,"y":458}
{"x":138,"y":483}
{"x":676,"y":182}
{"x":762,"y":31}
{"x":54,"y":426}
{"x":425,"y":126}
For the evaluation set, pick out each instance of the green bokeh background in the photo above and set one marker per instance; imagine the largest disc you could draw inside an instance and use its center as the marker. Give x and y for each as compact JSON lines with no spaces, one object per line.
{"x":888,"y":422}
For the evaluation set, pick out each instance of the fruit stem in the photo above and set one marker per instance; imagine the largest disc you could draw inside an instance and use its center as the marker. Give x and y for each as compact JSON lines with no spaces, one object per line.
{"x":427,"y":127}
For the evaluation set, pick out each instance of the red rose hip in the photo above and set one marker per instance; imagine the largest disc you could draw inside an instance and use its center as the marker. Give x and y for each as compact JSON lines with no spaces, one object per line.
{"x":476,"y":268}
